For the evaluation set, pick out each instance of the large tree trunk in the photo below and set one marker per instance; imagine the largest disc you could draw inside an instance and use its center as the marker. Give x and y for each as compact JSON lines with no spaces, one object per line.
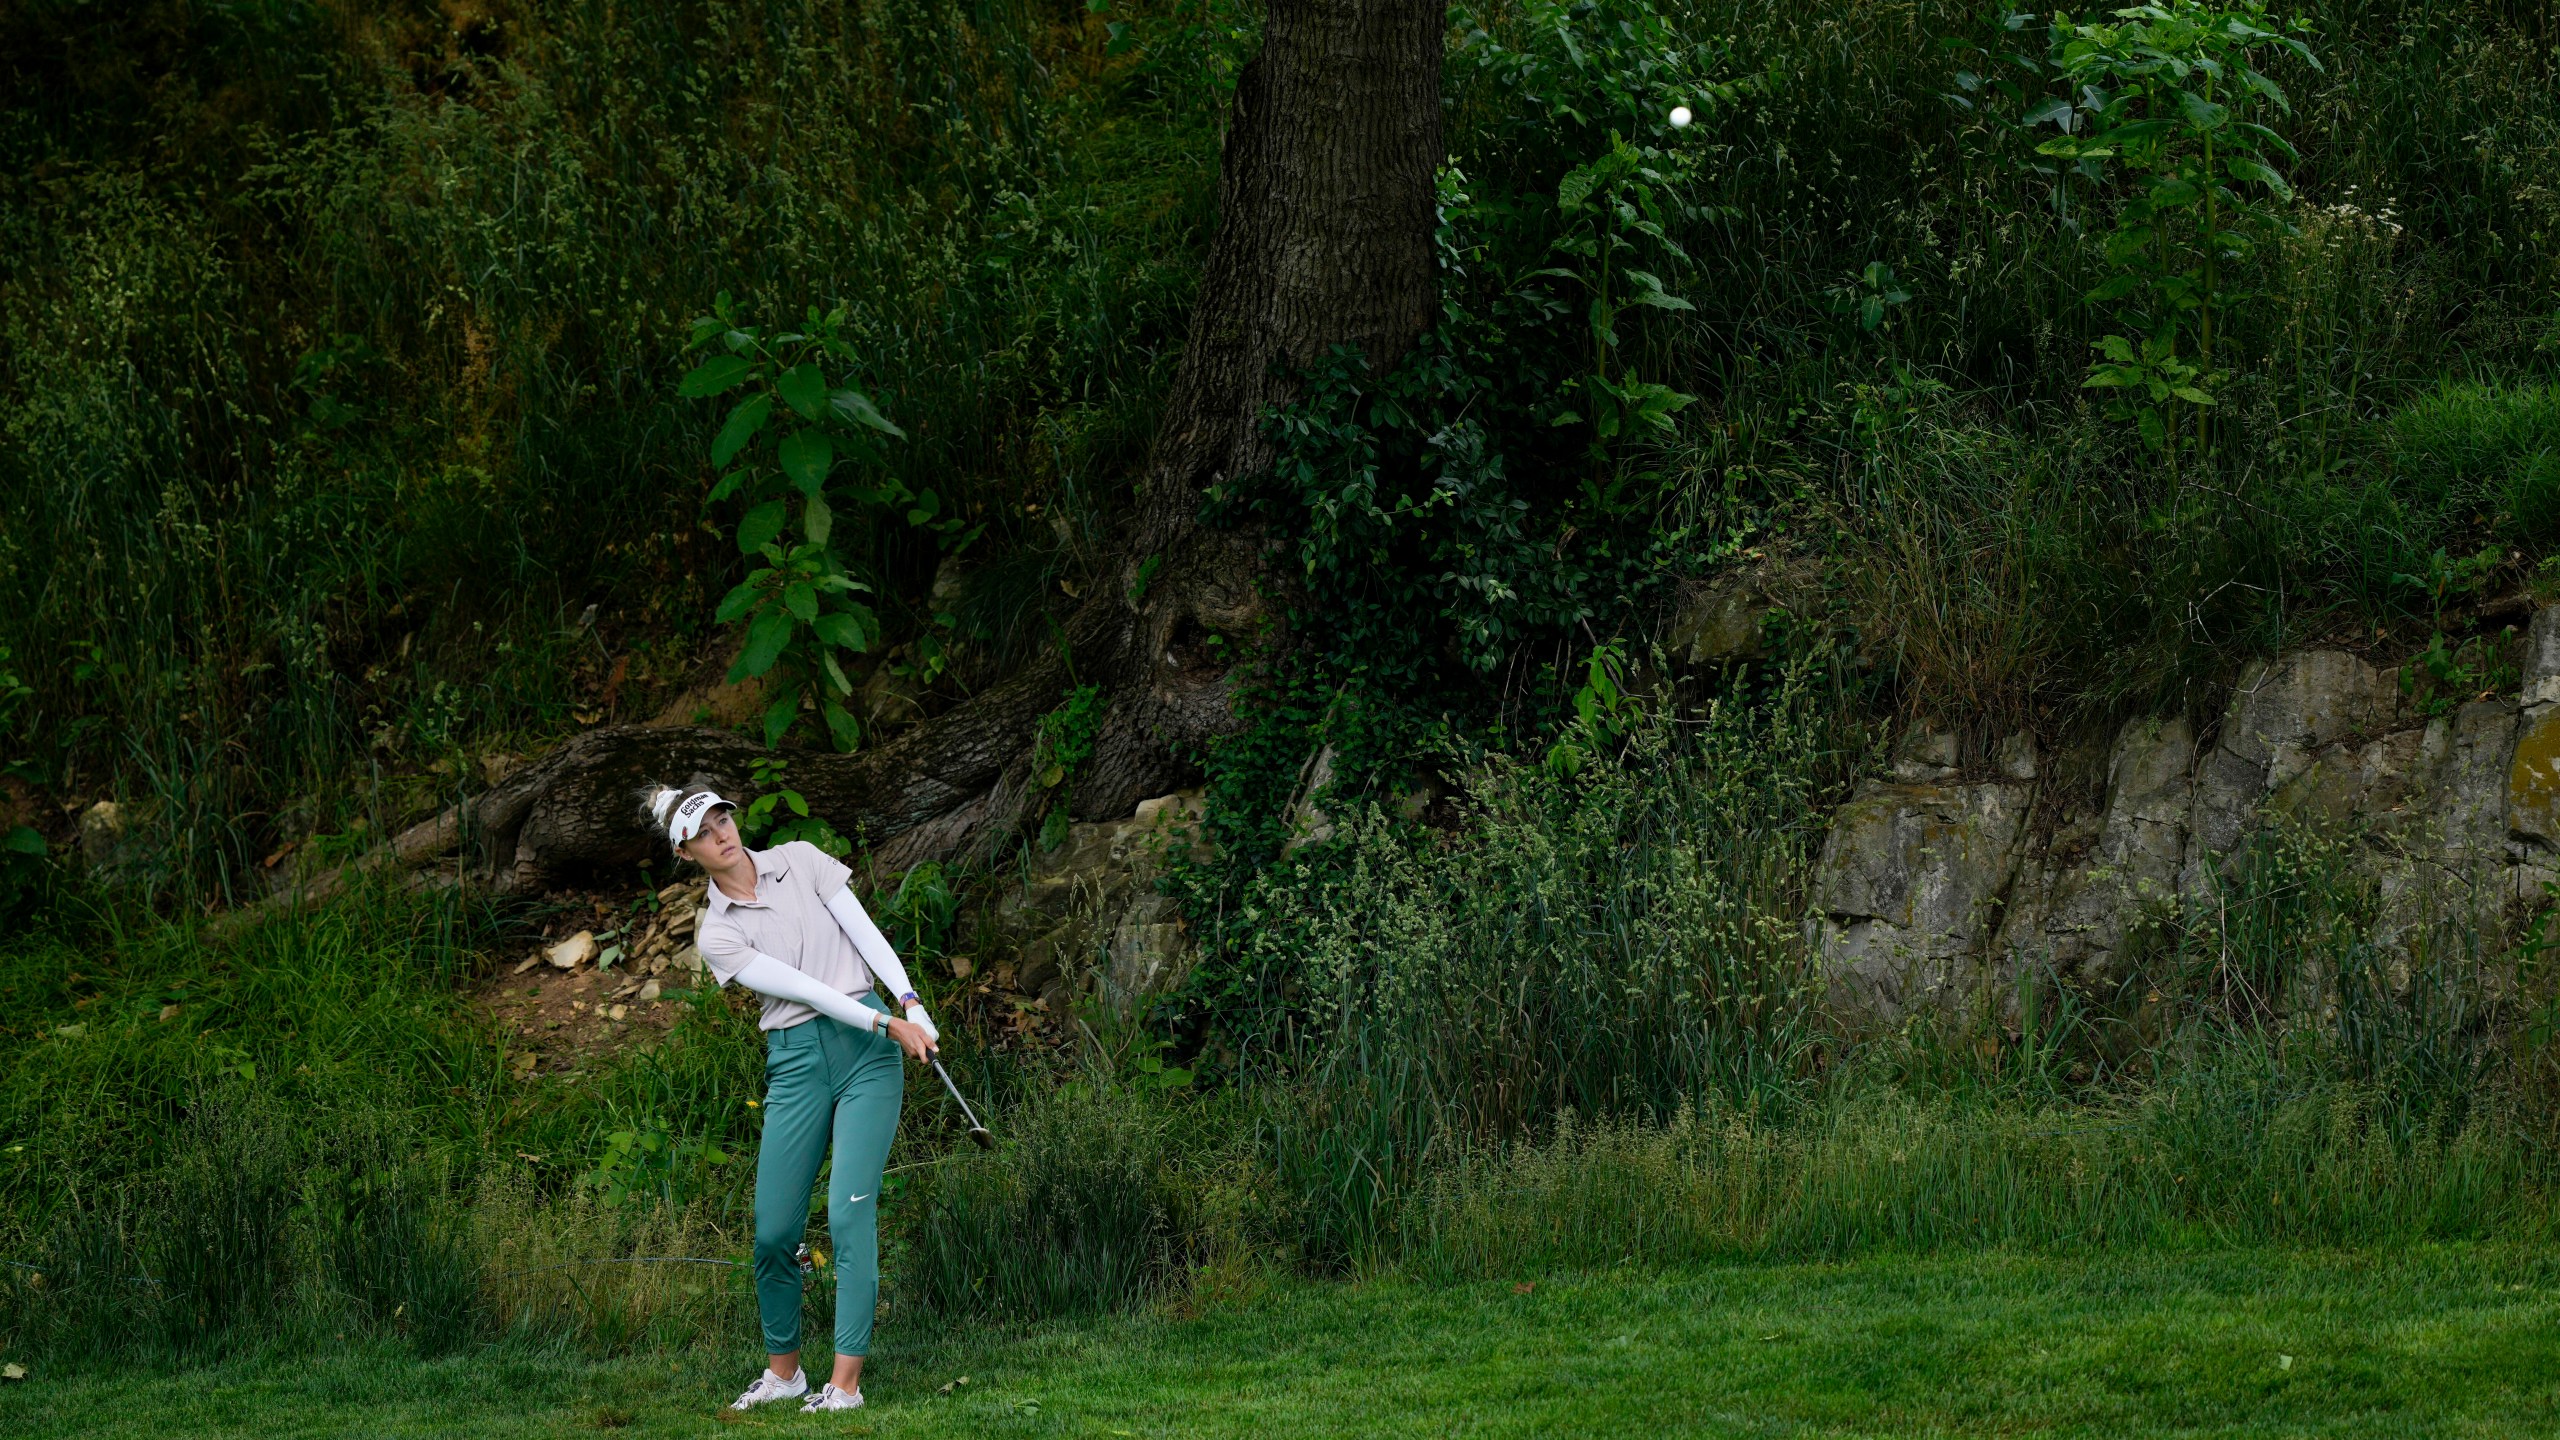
{"x":1325,"y":208}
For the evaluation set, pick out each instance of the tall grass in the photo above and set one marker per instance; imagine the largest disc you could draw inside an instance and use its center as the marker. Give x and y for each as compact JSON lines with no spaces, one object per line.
{"x":568,"y":1269}
{"x":1610,"y":941}
{"x":306,"y":1130}
{"x":286,"y":1160}
{"x":206,"y":1146}
{"x":305,"y":1133}
{"x":1534,"y":1041}
{"x":2038,"y":581}
{"x":2364,"y":961}
{"x":2220,"y":1157}
{"x":255,"y":1223}
{"x":1613,"y":942}
{"x":1105,"y":1195}
{"x":120,"y":1026}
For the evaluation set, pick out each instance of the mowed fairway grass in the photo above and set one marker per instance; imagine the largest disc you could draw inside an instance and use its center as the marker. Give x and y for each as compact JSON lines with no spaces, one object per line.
{"x":2455,"y":1341}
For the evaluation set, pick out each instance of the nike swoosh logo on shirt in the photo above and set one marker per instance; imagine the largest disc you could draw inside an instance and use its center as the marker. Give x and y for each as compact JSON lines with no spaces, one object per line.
{"x":855,"y":1199}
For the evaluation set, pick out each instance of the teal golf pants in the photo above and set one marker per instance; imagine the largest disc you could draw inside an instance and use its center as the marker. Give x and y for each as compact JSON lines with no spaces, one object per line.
{"x":824,"y":1080}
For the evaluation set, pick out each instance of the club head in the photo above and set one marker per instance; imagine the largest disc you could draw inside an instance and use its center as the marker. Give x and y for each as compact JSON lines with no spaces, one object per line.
{"x":979,"y":1134}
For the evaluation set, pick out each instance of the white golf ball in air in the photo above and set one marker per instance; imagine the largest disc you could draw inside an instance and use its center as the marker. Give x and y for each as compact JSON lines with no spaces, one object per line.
{"x":1679,"y":116}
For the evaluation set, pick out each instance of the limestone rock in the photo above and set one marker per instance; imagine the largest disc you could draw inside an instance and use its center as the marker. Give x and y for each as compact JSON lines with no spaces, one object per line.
{"x":2533,"y":780}
{"x":573,"y":952}
{"x":101,"y":832}
{"x":1308,"y":822}
{"x":718,"y":704}
{"x":1150,"y":948}
{"x":2016,"y":757}
{"x":1088,"y":912}
{"x":2081,"y":915}
{"x":2542,"y":658}
{"x":1910,"y":880}
{"x":891,"y":695}
{"x":1925,"y":756}
{"x":950,"y":582}
{"x":2452,"y":820}
{"x":1719,"y":624}
{"x":2466,"y":787}
{"x":1178,"y":808}
{"x":1101,"y":859}
{"x":2282,"y":713}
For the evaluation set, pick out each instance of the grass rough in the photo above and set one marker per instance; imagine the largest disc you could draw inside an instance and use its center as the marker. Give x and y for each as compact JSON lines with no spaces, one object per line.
{"x":2427,"y":1341}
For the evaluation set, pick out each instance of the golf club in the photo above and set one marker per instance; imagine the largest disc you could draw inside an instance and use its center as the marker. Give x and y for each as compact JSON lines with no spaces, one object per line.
{"x":977,"y":1131}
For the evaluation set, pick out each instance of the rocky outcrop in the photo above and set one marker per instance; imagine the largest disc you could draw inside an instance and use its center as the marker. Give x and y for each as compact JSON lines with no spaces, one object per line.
{"x":1086,"y":918}
{"x":1719,"y":623}
{"x":1912,"y":874}
{"x":1730,"y":618}
{"x":2091,"y":880}
{"x":1942,"y":882}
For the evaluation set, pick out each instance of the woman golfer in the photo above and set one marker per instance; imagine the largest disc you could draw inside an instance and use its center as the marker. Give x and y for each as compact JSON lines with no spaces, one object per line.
{"x":781,"y":923}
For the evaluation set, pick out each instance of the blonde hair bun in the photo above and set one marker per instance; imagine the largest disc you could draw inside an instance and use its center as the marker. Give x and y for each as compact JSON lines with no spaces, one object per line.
{"x":662,"y":804}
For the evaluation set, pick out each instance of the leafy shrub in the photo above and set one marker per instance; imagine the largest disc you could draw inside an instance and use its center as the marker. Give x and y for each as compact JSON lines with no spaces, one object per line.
{"x":2171,"y":92}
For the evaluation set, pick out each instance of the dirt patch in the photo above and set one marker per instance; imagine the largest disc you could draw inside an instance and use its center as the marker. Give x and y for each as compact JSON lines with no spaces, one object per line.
{"x":614,"y":991}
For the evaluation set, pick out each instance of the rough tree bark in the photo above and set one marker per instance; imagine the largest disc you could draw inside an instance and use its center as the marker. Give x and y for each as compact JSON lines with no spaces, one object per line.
{"x":1326,"y":196}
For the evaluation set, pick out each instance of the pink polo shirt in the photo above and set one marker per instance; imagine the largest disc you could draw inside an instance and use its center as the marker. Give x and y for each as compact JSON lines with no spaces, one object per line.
{"x":787,"y":920}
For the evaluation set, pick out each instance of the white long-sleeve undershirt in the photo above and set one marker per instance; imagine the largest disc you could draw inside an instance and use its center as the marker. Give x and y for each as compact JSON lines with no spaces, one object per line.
{"x":871,"y":945}
{"x":766,"y":975}
{"x":877,"y":955}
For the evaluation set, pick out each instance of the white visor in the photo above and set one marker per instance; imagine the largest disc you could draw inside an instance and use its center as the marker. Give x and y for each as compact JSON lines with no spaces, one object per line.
{"x":687,"y":821}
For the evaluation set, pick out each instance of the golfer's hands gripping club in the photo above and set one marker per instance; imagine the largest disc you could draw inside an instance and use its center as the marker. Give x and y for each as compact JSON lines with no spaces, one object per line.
{"x":768,"y":976}
{"x":919,"y":1044}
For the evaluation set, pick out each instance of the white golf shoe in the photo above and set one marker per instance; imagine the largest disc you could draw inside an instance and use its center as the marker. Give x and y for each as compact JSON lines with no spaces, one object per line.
{"x":770,"y":1387}
{"x":828,"y":1397}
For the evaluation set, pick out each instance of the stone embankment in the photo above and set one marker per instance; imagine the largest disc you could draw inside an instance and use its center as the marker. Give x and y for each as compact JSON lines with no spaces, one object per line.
{"x":1943,"y":883}
{"x":1086,"y":918}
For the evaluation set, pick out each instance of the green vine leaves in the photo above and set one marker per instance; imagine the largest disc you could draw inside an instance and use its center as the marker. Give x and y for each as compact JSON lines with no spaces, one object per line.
{"x":801,"y":424}
{"x":1062,"y":742}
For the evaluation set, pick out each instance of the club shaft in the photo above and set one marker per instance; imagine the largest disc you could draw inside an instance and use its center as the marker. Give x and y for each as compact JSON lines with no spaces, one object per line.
{"x":955,"y":1094}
